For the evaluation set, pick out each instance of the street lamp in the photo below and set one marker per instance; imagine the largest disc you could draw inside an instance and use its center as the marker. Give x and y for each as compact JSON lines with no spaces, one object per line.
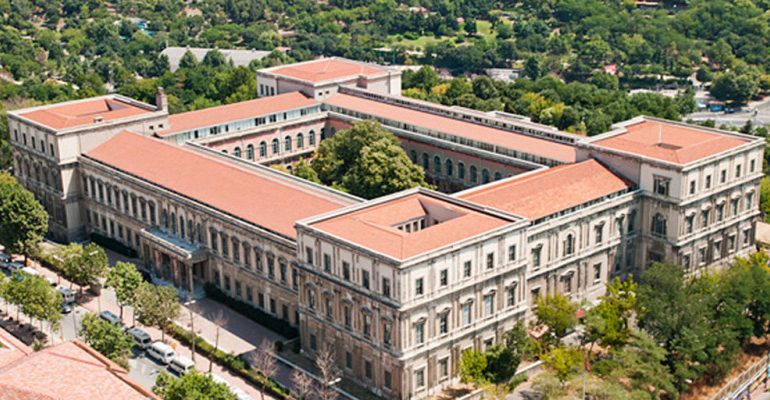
{"x":192,"y":326}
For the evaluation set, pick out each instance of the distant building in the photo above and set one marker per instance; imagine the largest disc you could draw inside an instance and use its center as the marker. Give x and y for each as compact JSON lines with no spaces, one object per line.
{"x":504,"y":74}
{"x":239,"y":58}
{"x":66,"y":371}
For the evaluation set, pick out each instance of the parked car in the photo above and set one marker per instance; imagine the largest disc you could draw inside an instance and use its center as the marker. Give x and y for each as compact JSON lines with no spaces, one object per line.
{"x":14,"y":266}
{"x":66,"y":308}
{"x":66,"y":294}
{"x":161,"y":352}
{"x":30,"y":271}
{"x":4,"y":258}
{"x":140,"y":338}
{"x":181,"y":365}
{"x":111,"y":318}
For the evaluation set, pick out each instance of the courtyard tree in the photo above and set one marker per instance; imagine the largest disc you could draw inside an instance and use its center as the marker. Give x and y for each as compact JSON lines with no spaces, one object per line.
{"x":83,"y":265}
{"x":125,"y":279}
{"x":191,"y":386}
{"x":608,"y":322}
{"x":156,"y":306}
{"x":556,"y":312}
{"x":303,"y":170}
{"x":106,"y":338}
{"x":367,"y":161}
{"x":23,"y":221}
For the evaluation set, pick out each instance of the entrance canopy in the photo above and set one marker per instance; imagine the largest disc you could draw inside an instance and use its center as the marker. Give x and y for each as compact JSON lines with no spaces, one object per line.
{"x":186,"y":252}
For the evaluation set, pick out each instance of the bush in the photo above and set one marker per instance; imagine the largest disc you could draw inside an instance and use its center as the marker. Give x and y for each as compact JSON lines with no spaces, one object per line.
{"x":516,"y":381}
{"x":277,"y":325}
{"x":234,"y":364}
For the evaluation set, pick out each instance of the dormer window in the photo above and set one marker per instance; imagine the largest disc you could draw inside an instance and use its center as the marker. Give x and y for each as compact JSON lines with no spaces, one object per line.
{"x":661,"y":185}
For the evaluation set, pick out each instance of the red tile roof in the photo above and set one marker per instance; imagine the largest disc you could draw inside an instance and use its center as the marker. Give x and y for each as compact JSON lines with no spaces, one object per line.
{"x":326,"y":69}
{"x":670,"y":142}
{"x":476,"y":132}
{"x":237,"y":111}
{"x":374,"y":227}
{"x":549,"y":191}
{"x":258,"y":197}
{"x":81,"y":113}
{"x":70,"y":370}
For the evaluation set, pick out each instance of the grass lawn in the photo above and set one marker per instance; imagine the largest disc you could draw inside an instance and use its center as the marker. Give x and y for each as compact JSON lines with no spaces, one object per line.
{"x":483,"y":28}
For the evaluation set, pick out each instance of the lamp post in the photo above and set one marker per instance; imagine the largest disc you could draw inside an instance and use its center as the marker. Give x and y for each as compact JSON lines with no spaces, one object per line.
{"x":192,"y":326}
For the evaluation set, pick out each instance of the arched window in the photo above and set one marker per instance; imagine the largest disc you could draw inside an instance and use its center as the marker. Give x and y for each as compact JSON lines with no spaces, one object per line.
{"x":287,"y":143}
{"x":250,"y":152}
{"x":484,"y":175}
{"x":474,"y":174}
{"x":461,"y":170}
{"x":311,"y":138}
{"x":569,"y":245}
{"x":276,"y":146}
{"x":300,"y":140}
{"x":413,"y":156}
{"x":425,"y":161}
{"x":659,"y":225}
{"x":498,"y":176}
{"x":181,"y":227}
{"x":237,"y":152}
{"x":173,"y":223}
{"x":190,"y":230}
{"x":263,"y":149}
{"x":437,"y":164}
{"x":448,"y":167}
{"x":164,"y":218}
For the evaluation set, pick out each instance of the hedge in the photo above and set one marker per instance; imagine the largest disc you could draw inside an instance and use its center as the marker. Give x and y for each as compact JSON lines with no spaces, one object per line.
{"x":113,"y":245}
{"x":277,"y":325}
{"x":229,"y":361}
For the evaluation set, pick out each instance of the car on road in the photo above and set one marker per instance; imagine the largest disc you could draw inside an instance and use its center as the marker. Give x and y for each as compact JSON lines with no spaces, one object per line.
{"x":30,"y":271}
{"x":14,"y":266}
{"x":4,"y":258}
{"x":66,"y":308}
{"x":111,"y":318}
{"x":181,"y":365}
{"x":140,"y":338}
{"x":67,"y":295}
{"x":161,"y":352}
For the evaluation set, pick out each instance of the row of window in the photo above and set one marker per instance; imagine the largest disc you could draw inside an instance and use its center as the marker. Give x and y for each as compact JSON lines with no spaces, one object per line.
{"x":112,"y":229}
{"x":363,"y":324}
{"x":39,"y":173}
{"x":111,"y":196}
{"x":241,"y":252}
{"x":263,"y":301}
{"x":718,"y":251}
{"x":662,"y":184}
{"x":35,"y":144}
{"x":288,"y":142}
{"x":707,"y":217}
{"x":448,"y":169}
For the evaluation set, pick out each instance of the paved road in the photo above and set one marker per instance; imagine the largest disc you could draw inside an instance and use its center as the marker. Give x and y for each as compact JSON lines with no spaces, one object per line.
{"x":738,"y":119}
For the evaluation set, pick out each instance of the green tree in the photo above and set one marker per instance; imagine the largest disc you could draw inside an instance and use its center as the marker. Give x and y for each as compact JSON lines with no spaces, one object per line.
{"x":106,"y":338}
{"x":367,"y":161}
{"x":764,"y":197}
{"x":38,"y":300}
{"x":125,"y":278}
{"x":731,"y":86}
{"x":608,"y":322}
{"x":472,"y":366}
{"x":532,"y":68}
{"x":23,"y":221}
{"x":188,"y":60}
{"x":83,"y":265}
{"x":564,"y":361}
{"x":156,"y":306}
{"x":191,"y":386}
{"x":303,"y":170}
{"x":556,"y":312}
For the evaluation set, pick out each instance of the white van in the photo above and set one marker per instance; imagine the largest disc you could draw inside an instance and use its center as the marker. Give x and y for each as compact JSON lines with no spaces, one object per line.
{"x":68,"y":296}
{"x":30,"y":271}
{"x":140,"y":338}
{"x":161,"y":352}
{"x":181,"y":365}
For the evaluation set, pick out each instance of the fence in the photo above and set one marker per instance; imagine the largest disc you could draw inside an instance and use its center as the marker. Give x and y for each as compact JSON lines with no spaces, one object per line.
{"x":741,"y":387}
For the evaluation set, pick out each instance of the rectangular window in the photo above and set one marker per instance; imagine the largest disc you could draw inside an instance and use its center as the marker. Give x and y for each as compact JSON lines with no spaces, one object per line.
{"x":345,"y":270}
{"x":327,"y":263}
{"x":702,"y":256}
{"x":386,"y":287}
{"x":467,"y":313}
{"x":597,"y":273}
{"x":348,"y":360}
{"x":708,"y":182}
{"x":738,"y":171}
{"x":512,"y":252}
{"x":419,"y":379}
{"x":443,"y":323}
{"x":692,"y":187}
{"x":443,"y":277}
{"x":386,"y":334}
{"x":705,"y":218}
{"x":490,"y":260}
{"x":661,"y":185}
{"x":249,"y":294}
{"x":418,"y":288}
{"x":368,"y":369}
{"x":467,"y":269}
{"x":388,"y":381}
{"x":282,"y":271}
{"x":419,"y":333}
{"x":365,"y":279}
{"x":723,"y":176}
{"x":599,"y":233}
{"x":752,"y":165}
{"x":511,"y":296}
{"x":443,"y":368}
{"x":237,"y":288}
{"x":309,"y":255}
{"x":536,"y":257}
{"x":346,"y":317}
{"x":489,"y":304}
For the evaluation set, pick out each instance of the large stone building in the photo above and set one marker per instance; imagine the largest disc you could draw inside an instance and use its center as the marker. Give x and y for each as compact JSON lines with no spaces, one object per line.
{"x":398,"y":286}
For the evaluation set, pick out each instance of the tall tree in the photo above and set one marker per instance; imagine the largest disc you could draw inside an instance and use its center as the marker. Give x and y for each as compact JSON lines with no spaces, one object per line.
{"x":556,"y":312}
{"x":106,"y":338}
{"x":329,"y":374}
{"x":191,"y":386}
{"x":83,"y":265}
{"x":156,"y":306}
{"x":367,"y":161}
{"x":608,"y":322}
{"x":23,"y":221}
{"x":125,"y":278}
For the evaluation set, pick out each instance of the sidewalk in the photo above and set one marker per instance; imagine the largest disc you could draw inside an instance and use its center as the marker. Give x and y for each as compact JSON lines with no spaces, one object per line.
{"x":228,"y":342}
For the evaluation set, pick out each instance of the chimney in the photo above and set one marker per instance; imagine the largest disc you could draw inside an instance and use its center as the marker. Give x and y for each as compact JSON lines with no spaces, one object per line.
{"x":161,"y":103}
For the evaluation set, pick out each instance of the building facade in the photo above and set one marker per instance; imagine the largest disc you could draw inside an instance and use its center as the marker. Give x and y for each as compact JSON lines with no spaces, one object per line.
{"x":398,"y":287}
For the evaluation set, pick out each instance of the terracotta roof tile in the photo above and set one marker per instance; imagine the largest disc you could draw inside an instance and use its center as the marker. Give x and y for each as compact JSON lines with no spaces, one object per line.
{"x":476,"y":132}
{"x":237,"y":111}
{"x":670,"y":142}
{"x":543,"y":193}
{"x":375,"y":227}
{"x":327,"y":69}
{"x":254,"y":196}
{"x":81,"y":113}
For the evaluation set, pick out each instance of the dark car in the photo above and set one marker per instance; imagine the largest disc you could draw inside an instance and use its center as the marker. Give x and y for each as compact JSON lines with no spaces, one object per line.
{"x":66,"y":308}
